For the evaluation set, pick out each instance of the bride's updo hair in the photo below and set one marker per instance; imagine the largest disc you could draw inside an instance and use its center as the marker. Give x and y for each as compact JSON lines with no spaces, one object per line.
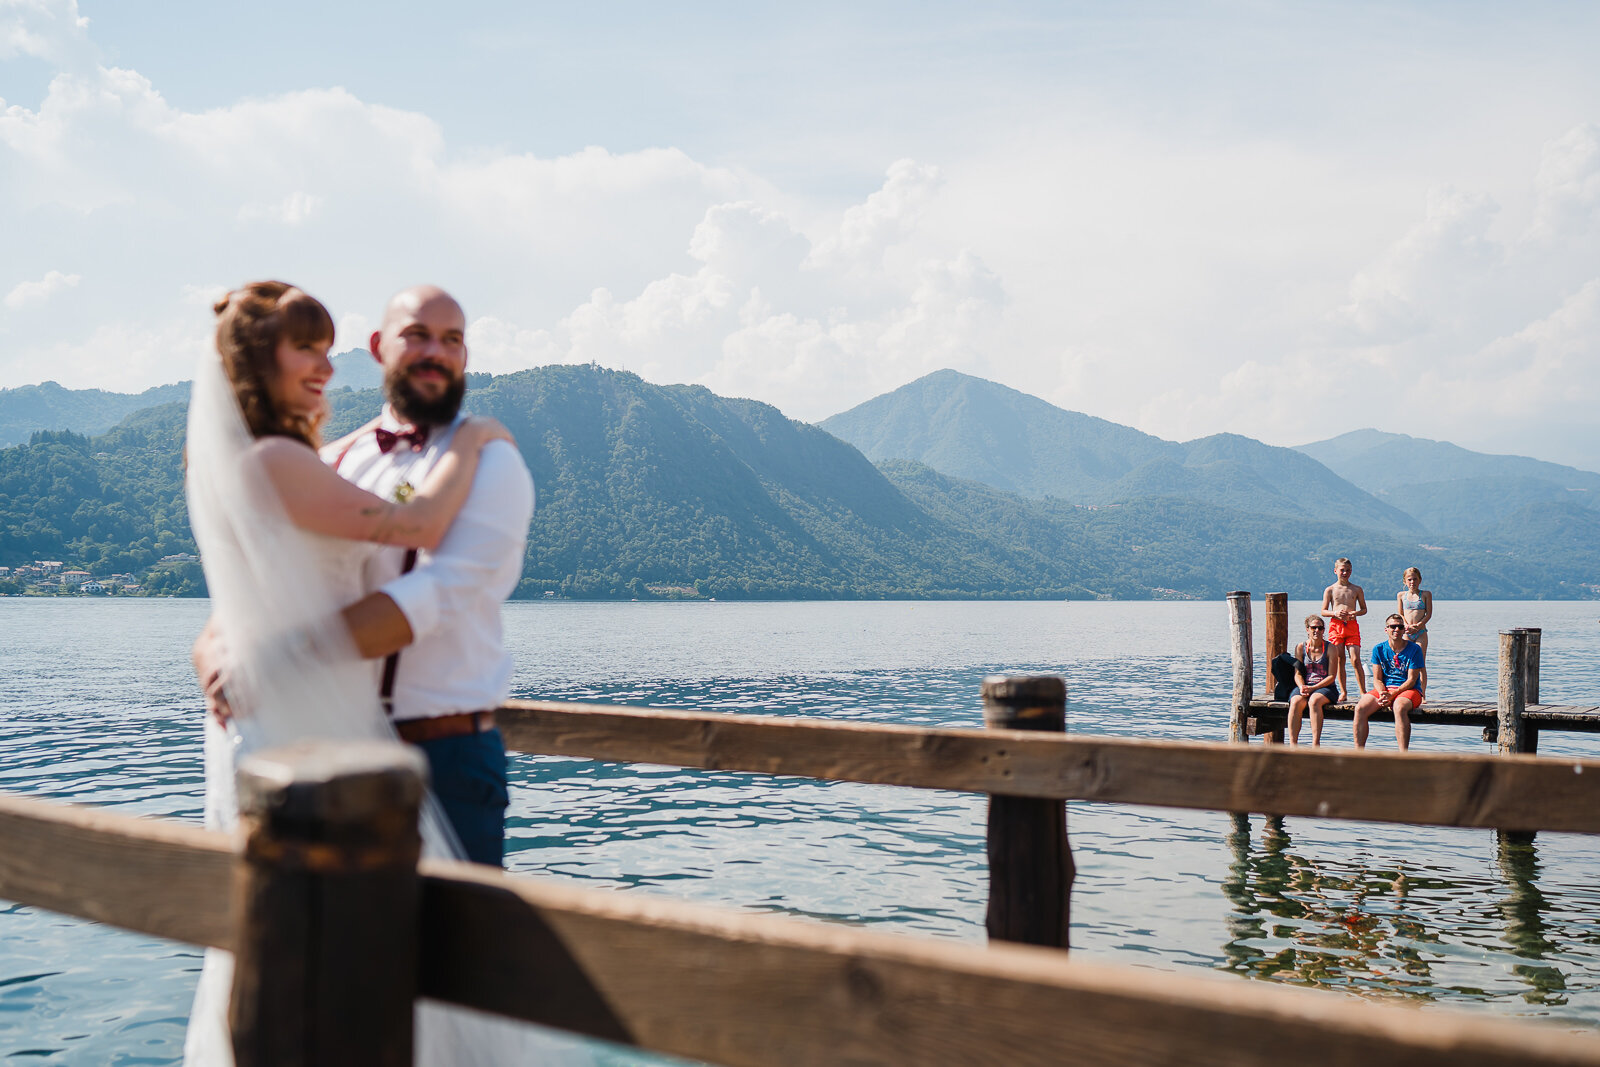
{"x":251,"y":321}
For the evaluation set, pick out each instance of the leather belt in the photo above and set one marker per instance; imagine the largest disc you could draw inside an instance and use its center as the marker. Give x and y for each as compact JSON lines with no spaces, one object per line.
{"x":457,"y":725}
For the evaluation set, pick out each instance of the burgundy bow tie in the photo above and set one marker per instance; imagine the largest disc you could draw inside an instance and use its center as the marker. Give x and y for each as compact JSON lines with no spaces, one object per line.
{"x":416,"y":437}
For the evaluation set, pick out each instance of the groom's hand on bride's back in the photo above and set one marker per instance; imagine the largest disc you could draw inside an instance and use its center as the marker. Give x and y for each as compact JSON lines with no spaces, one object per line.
{"x":208,"y":656}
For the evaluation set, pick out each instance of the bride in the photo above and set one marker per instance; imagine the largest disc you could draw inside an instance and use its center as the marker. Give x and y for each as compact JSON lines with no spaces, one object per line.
{"x":283,"y":539}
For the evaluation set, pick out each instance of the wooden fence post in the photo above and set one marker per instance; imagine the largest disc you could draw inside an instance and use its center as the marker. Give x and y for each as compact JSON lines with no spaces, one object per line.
{"x":1277,"y":634}
{"x":1030,"y":859}
{"x":1243,"y":665}
{"x":1513,"y":691}
{"x":327,"y":898}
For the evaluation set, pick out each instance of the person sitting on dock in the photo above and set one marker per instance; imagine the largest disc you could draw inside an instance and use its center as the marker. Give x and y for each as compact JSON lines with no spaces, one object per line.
{"x":1314,"y":682}
{"x":1342,"y":602}
{"x":1396,"y":670}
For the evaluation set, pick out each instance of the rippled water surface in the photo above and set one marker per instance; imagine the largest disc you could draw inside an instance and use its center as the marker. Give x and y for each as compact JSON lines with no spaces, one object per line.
{"x":97,"y":706}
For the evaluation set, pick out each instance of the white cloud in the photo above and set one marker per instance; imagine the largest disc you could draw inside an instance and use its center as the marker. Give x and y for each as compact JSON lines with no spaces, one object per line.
{"x":45,"y":29}
{"x":38,"y":292}
{"x":1462,"y":329}
{"x":1568,"y":185}
{"x":126,"y":358}
{"x":776,"y":314}
{"x":292,"y":210}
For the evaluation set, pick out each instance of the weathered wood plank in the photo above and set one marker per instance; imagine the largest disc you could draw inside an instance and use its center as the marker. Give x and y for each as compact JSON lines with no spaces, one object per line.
{"x":1513,"y":691}
{"x":1277,"y":634}
{"x":1567,"y":718}
{"x":742,"y":989}
{"x":150,"y":875}
{"x":1243,"y":656}
{"x":1520,"y":793}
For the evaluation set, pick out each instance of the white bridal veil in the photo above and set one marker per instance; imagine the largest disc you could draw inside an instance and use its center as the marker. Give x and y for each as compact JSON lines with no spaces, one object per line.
{"x":293,"y":673}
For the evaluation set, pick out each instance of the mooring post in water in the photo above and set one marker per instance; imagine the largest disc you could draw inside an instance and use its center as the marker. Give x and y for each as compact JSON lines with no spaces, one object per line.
{"x":1513,"y":691}
{"x":1277,"y":635}
{"x":1243,"y":665}
{"x":1513,"y":701}
{"x":1030,"y":859}
{"x":326,"y":901}
{"x":1530,"y":687}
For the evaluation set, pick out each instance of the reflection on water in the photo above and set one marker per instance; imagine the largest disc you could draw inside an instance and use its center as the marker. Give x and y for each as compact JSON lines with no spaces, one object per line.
{"x":1400,"y":928}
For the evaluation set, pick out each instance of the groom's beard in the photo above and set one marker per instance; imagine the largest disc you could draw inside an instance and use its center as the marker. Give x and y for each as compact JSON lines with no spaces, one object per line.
{"x":411,"y":406}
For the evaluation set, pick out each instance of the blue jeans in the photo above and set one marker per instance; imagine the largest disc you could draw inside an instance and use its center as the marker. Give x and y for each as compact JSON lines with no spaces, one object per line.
{"x":469,"y":778}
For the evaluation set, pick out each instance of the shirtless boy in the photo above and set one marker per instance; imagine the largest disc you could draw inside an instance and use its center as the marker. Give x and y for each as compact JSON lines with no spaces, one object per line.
{"x":1341,"y":604}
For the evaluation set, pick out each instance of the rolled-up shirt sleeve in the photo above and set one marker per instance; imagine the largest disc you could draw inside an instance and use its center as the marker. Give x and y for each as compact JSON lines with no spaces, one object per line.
{"x":482,"y":550}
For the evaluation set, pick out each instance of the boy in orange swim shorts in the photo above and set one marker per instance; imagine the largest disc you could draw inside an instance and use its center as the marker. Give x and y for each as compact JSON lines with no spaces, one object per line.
{"x":1341,"y":603}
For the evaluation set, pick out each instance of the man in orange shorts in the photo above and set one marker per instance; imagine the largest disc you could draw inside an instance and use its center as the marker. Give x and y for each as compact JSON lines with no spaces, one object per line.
{"x":1396,"y":668}
{"x":1341,"y":603}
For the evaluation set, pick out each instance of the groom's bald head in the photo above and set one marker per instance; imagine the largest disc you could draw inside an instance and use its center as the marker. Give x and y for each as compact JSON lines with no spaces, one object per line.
{"x":410,"y":302}
{"x":422,"y":345}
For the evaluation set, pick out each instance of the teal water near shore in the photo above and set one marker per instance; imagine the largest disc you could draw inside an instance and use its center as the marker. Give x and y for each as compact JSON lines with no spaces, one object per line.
{"x":98,"y":708}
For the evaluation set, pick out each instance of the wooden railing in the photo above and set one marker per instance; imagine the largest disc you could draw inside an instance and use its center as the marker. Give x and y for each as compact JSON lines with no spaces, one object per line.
{"x":1519,"y":793}
{"x":736,"y":988}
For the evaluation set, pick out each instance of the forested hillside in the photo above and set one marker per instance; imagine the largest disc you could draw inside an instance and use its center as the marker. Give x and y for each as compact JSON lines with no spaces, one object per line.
{"x":1450,"y":489}
{"x":672,"y":491}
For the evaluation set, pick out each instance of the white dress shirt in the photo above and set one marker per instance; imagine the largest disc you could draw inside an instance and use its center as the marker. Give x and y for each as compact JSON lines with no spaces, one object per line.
{"x":457,"y":660}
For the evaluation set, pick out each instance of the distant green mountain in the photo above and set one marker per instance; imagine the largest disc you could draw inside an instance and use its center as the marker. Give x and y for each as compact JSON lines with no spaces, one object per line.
{"x":1554,"y":542}
{"x":1449,"y":488}
{"x":986,"y":432}
{"x":674,"y":487}
{"x":1376,"y":460}
{"x":670,"y":491}
{"x":356,"y":370}
{"x":976,"y":429}
{"x":49,"y":406}
{"x":643,"y":491}
{"x":1177,"y":547}
{"x":85,"y":411}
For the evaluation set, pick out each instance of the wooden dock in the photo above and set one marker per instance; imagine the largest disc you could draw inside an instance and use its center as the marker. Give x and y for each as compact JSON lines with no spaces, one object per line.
{"x":1514,"y":720}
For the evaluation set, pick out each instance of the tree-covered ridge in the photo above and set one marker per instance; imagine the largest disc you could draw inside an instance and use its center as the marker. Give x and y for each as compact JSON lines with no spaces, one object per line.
{"x":49,"y":406}
{"x":646,"y":486}
{"x":672,"y":491}
{"x":111,"y":503}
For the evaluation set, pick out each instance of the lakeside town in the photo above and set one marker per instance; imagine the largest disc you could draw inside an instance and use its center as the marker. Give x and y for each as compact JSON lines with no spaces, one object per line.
{"x":51,"y":577}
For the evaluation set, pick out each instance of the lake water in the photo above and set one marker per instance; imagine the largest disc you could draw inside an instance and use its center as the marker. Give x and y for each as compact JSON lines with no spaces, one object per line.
{"x":98,"y":707}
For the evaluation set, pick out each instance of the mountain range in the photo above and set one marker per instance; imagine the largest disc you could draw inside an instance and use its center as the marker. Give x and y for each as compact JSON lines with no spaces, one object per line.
{"x":49,"y":406}
{"x":1446,"y":487}
{"x":949,"y":487}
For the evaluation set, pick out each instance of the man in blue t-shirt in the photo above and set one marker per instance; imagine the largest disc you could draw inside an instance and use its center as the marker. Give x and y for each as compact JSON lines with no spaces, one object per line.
{"x":1396,"y":668}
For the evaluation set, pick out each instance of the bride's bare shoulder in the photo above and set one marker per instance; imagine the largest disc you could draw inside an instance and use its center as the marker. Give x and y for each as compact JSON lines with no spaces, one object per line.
{"x":343,"y":443}
{"x":276,"y":453}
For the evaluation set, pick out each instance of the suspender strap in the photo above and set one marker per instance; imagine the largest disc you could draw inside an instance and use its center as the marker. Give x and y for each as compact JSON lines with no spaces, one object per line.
{"x":392,"y":664}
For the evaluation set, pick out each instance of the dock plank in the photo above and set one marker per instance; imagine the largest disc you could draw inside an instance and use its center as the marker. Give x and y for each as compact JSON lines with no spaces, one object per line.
{"x":1566,"y":718}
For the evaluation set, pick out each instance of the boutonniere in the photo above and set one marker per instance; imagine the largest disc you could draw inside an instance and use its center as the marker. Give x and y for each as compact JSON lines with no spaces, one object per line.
{"x":404,"y":492}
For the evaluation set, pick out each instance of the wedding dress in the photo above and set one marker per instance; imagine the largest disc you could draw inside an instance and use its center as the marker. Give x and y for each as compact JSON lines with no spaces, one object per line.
{"x":293,"y":673}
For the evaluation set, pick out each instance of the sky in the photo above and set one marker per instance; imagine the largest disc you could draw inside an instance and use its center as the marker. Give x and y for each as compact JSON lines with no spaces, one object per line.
{"x":1280,"y":220}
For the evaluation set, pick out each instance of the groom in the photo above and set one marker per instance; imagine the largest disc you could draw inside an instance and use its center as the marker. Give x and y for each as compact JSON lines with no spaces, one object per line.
{"x":435,"y":616}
